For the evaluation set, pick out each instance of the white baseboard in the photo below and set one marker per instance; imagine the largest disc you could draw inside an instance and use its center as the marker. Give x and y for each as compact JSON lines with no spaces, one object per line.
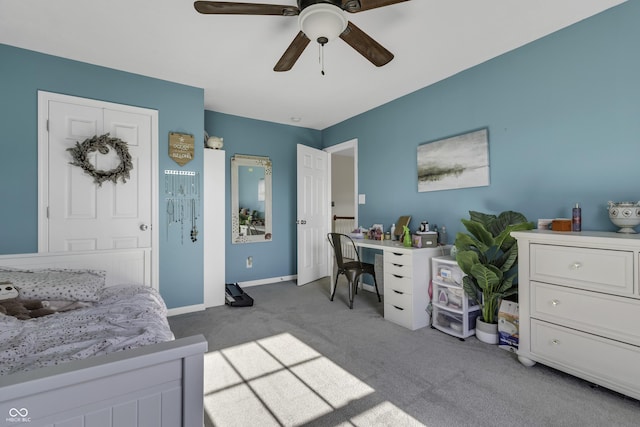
{"x":200,"y":307}
{"x":267,"y":281}
{"x":185,"y":309}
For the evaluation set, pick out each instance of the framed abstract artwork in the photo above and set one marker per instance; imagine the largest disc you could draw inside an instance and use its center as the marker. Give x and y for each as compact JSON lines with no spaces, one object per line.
{"x":457,"y":162}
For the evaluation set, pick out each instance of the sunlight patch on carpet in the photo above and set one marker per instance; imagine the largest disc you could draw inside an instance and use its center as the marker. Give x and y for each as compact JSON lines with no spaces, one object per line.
{"x":279,"y":380}
{"x":384,"y":414}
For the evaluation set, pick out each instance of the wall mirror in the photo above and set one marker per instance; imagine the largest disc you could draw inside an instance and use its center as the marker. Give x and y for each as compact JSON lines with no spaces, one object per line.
{"x":250,"y":199}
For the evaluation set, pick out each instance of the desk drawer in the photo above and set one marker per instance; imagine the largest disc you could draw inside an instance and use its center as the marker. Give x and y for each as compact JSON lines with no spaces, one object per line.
{"x":398,"y":298}
{"x":398,"y":270}
{"x":595,"y":269}
{"x":398,"y":283}
{"x":399,"y":258}
{"x":400,"y":315}
{"x":579,"y":310}
{"x":584,"y":354}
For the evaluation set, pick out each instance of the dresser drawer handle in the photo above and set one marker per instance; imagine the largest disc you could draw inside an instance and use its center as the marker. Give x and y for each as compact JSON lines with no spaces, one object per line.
{"x":396,"y":265}
{"x":555,"y":341}
{"x":399,"y":277}
{"x":398,"y":292}
{"x":399,"y":308}
{"x":576,"y":266}
{"x":555,"y":302}
{"x":397,"y":253}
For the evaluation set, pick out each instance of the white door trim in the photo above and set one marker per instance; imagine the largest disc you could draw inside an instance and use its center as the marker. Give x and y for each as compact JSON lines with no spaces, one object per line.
{"x":43,"y":168}
{"x":351,"y":144}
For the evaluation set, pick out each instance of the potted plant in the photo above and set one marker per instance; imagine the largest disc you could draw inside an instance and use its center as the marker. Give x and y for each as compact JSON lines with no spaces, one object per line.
{"x":488,"y":255}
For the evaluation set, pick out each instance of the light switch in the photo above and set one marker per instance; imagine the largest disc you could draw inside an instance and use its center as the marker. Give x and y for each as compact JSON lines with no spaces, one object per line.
{"x":361,"y":199}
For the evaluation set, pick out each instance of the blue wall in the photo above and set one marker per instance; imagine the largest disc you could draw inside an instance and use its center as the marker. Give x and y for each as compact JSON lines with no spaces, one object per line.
{"x":563,"y":115}
{"x":259,"y":138}
{"x":563,"y":118}
{"x":22,"y":74}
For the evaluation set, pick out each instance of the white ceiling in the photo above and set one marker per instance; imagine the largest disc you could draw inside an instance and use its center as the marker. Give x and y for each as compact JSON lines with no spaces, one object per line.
{"x":232,"y":57}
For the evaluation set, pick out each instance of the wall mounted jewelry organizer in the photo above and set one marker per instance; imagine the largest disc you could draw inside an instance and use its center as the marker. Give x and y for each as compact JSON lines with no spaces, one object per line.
{"x":182,"y":197}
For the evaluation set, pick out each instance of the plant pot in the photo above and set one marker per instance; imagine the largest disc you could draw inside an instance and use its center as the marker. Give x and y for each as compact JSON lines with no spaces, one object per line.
{"x":486,"y":332}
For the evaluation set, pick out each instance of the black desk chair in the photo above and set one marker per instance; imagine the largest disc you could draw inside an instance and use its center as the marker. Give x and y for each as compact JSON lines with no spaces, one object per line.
{"x":351,"y":269}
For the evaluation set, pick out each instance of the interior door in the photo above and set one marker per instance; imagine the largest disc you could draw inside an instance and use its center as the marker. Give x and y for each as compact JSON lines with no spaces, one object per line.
{"x":313,"y":214}
{"x":83,"y":215}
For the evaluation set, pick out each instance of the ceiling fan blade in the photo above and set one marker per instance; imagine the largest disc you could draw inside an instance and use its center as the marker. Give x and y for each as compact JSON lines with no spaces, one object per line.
{"x":292,"y":53}
{"x":354,"y":6}
{"x":366,"y":46}
{"x":231,"y":8}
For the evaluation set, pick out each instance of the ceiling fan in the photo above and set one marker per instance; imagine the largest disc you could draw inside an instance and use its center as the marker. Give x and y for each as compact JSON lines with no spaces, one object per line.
{"x":319,"y":20}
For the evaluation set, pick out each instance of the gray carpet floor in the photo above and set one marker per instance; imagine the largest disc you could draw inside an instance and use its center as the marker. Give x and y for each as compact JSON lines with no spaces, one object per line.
{"x":296,"y":358}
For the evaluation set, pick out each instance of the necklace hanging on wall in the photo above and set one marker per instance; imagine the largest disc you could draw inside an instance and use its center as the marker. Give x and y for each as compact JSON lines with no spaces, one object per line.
{"x":194,"y":218}
{"x":182,"y":196}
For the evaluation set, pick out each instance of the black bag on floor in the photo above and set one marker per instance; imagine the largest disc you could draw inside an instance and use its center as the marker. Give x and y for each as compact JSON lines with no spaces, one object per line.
{"x":236,"y":297}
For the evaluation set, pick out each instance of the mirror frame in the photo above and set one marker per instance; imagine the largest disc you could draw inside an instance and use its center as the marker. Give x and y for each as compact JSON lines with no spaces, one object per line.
{"x":255,"y":161}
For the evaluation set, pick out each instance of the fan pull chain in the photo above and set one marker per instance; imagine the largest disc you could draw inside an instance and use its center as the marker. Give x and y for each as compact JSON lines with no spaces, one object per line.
{"x":321,"y":42}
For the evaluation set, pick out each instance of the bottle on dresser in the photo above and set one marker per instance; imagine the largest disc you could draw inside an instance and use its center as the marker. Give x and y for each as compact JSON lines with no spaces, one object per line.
{"x":576,"y":218}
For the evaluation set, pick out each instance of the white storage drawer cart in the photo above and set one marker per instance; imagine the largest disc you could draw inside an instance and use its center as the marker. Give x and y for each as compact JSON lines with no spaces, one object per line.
{"x":453,"y":313}
{"x":406,"y":285}
{"x":579,"y":300}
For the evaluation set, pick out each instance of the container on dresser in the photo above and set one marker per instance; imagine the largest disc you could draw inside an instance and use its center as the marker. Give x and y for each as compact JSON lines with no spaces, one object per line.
{"x":453,"y":313}
{"x":579,"y":302}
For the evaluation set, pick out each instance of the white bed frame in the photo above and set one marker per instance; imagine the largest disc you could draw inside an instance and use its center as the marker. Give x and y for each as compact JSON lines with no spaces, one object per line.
{"x":123,"y":266}
{"x":155,"y":385}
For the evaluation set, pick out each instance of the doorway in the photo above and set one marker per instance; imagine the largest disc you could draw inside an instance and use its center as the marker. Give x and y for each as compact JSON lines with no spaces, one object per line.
{"x":315,"y":258}
{"x":343,"y":191}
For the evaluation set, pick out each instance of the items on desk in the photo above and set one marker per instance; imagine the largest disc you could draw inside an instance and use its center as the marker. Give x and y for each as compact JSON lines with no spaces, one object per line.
{"x":429,"y":239}
{"x":402,"y":222}
{"x":376,"y":232}
{"x":442,"y":237}
{"x":358,"y":233}
{"x":406,"y":239}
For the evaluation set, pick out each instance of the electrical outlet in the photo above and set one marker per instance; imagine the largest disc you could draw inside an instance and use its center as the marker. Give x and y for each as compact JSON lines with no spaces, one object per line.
{"x":249,"y":262}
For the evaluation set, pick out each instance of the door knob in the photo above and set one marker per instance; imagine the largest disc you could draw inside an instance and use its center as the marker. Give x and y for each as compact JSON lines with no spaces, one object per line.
{"x":144,"y":227}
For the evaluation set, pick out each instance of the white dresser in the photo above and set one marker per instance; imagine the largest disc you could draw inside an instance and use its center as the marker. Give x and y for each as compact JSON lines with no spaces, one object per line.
{"x":407,"y":272}
{"x":579,"y":298}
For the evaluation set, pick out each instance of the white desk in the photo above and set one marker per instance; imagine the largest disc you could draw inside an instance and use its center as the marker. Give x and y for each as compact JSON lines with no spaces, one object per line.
{"x":407,"y":272}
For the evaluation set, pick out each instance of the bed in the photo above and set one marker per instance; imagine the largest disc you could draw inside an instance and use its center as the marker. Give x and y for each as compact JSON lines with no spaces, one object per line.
{"x":71,"y":369}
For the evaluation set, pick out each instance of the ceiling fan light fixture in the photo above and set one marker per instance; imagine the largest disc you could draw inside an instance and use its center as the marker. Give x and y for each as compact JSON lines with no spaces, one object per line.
{"x":322,"y":21}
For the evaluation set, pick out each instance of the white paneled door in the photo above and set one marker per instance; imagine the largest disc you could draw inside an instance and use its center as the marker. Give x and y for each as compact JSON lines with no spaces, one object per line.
{"x":80,"y":214}
{"x":313,"y":214}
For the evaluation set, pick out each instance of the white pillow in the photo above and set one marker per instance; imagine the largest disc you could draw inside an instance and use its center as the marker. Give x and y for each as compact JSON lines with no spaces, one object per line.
{"x":56,"y":284}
